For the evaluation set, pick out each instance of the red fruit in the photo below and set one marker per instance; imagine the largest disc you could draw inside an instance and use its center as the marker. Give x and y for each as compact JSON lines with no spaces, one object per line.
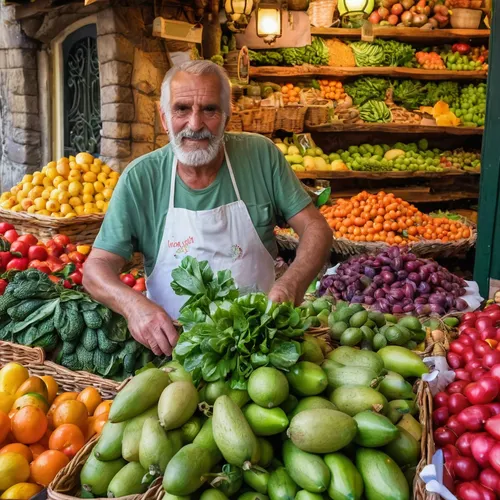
{"x":480,"y":448}
{"x":441,"y":399}
{"x":481,"y":348}
{"x":444,"y":436}
{"x":457,"y":387}
{"x":76,"y":278}
{"x":19,"y":249}
{"x":474,"y":417}
{"x":450,"y":452}
{"x":457,"y":427}
{"x":473,"y":491}
{"x":29,"y":239}
{"x":457,"y":402}
{"x":440,"y":416}
{"x":61,"y":239}
{"x":77,"y":257}
{"x":20,"y":264}
{"x":11,"y":235}
{"x":492,"y":426}
{"x":3,"y":286}
{"x":5,"y":258}
{"x":128,"y":279}
{"x":465,"y":468}
{"x":53,"y":248}
{"x":5,"y":226}
{"x":375,"y":17}
{"x":484,"y":391}
{"x":464,"y":443}
{"x":67,"y":284}
{"x":490,"y":479}
{"x":397,"y":9}
{"x":55,"y":264}
{"x":37,"y":252}
{"x":494,"y":457}
{"x":383,"y":12}
{"x":64,"y":258}
{"x":454,"y":360}
{"x":393,"y":19}
{"x":70,"y":247}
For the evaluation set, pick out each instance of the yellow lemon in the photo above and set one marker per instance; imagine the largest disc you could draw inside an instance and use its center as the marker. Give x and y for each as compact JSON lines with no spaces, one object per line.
{"x":47,"y":182}
{"x":98,"y":162}
{"x":57,"y":180}
{"x":111,"y":182}
{"x":75,"y":188}
{"x":12,"y":375}
{"x":70,"y":215}
{"x":108,"y":192}
{"x":75,"y":201}
{"x":21,"y":195}
{"x":89,"y":177}
{"x":105,"y":207}
{"x":84,"y":158}
{"x":6,"y":401}
{"x":4,"y":196}
{"x":51,"y":173}
{"x":40,"y":203}
{"x":74,"y":175}
{"x":63,"y":197}
{"x":99,"y":197}
{"x":35,"y":192}
{"x":17,"y":208}
{"x":14,"y":469}
{"x":66,"y":208}
{"x":21,"y":491}
{"x":71,"y":158}
{"x":84,"y":249}
{"x":54,"y":194}
{"x":85,"y":168}
{"x":52,"y":387}
{"x":43,"y":212}
{"x":51,"y":164}
{"x":26,"y":203}
{"x":95,"y":168}
{"x":38,"y":179}
{"x":98,"y":186}
{"x":105,"y":169}
{"x":46,"y":193}
{"x":63,"y":169}
{"x":56,"y":214}
{"x":27,"y":178}
{"x":87,"y":198}
{"x":7,"y":204}
{"x":53,"y":206}
{"x":88,"y":188}
{"x":114,"y":174}
{"x":66,"y":159}
{"x":102,"y":177}
{"x":79,"y":209}
{"x":99,"y":204}
{"x":31,"y":209}
{"x":27,"y":187}
{"x":63,"y":186}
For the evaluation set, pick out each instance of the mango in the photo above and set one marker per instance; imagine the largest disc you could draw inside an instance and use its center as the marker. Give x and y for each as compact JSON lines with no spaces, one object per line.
{"x":155,"y":447}
{"x":355,"y":399}
{"x":349,"y":356}
{"x":265,"y":421}
{"x":32,"y":385}
{"x":345,"y":481}
{"x":96,"y":476}
{"x":127,"y":481}
{"x":268,"y":387}
{"x":312,"y":403}
{"x":12,"y":375}
{"x":374,"y":430}
{"x":177,"y":404}
{"x":109,"y":446}
{"x":307,"y":379}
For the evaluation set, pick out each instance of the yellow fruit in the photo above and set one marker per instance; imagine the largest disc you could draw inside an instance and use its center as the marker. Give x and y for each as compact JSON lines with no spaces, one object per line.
{"x":105,"y":169}
{"x":87,"y":198}
{"x":54,"y":194}
{"x":79,"y":209}
{"x":32,"y":384}
{"x":88,"y":188}
{"x":108,"y":192}
{"x":84,"y":158}
{"x":27,"y":187}
{"x":100,"y":204}
{"x":6,"y":401}
{"x":66,"y":209}
{"x":89,"y":177}
{"x":17,"y":208}
{"x":98,"y":162}
{"x":105,"y":207}
{"x":5,"y":196}
{"x":66,"y":159}
{"x":102,"y":177}
{"x":21,"y":195}
{"x":21,"y":491}
{"x":85,"y":167}
{"x":55,"y":214}
{"x":63,"y":197}
{"x":38,"y":179}
{"x":12,"y":376}
{"x":52,"y":387}
{"x":111,"y":182}
{"x":95,"y":168}
{"x":7,"y":204}
{"x":114,"y":175}
{"x":74,"y":201}
{"x":90,"y":206}
{"x":40,"y":203}
{"x":75,"y":188}
{"x":98,"y":186}
{"x":57,"y":180}
{"x":99,"y":197}
{"x":51,"y":164}
{"x":70,"y":215}
{"x":53,"y":206}
{"x":27,"y":178}
{"x":14,"y":469}
{"x":72,"y":158}
{"x":47,"y":182}
{"x":83,"y":249}
{"x":51,"y":173}
{"x":31,"y":209}
{"x":74,"y":175}
{"x":63,"y":169}
{"x":26,"y":203}
{"x":43,"y":212}
{"x":35,"y":193}
{"x":32,"y":399}
{"x":63,"y":186}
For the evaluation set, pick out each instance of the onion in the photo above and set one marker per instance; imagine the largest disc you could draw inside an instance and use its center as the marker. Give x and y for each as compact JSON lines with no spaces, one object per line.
{"x":461,"y":305}
{"x":369,"y":300}
{"x":408,"y":308}
{"x":357,"y":299}
{"x":412,"y":266}
{"x":402,"y":274}
{"x":397,"y":309}
{"x":424,"y":287}
{"x":379,"y":294}
{"x":423,"y":309}
{"x":369,"y":271}
{"x":414,"y":277}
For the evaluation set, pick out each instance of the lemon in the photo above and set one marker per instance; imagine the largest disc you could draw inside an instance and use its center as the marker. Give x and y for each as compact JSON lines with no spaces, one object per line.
{"x":38,"y":179}
{"x":74,"y":175}
{"x":105,"y":169}
{"x":98,"y":186}
{"x":63,"y":169}
{"x":46,"y":193}
{"x":63,"y":197}
{"x":31,"y":209}
{"x":89,"y":177}
{"x":17,"y":208}
{"x":35,"y":192}
{"x":105,"y":207}
{"x":85,"y":168}
{"x":27,"y":187}
{"x":99,"y":204}
{"x":66,"y":209}
{"x":87,"y":198}
{"x":51,"y":173}
{"x":71,"y":158}
{"x":21,"y":195}
{"x":95,"y":168}
{"x":40,"y":203}
{"x":51,"y":164}
{"x":4,"y":196}
{"x":98,"y":162}
{"x":53,"y":206}
{"x":79,"y":209}
{"x":55,"y":214}
{"x":111,"y":182}
{"x":27,"y":178}
{"x":88,"y":188}
{"x":14,"y":469}
{"x":108,"y":192}
{"x":21,"y":491}
{"x":89,"y":206}
{"x":6,"y":401}
{"x":47,"y":182}
{"x":84,"y":158}
{"x":66,"y":159}
{"x":102,"y":177}
{"x":12,"y":375}
{"x":75,"y":201}
{"x":54,"y":194}
{"x":57,"y":180}
{"x":99,"y":197}
{"x":75,"y":188}
{"x":70,"y":215}
{"x":7,"y":204}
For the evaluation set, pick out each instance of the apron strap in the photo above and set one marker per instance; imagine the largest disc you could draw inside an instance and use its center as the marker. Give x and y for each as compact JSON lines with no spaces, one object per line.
{"x":231,"y":173}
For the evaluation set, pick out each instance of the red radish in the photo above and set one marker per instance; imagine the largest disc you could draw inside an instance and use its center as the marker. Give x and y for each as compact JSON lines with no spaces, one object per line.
{"x":454,"y":360}
{"x":457,"y":427}
{"x":465,"y":468}
{"x":477,"y":374}
{"x":491,"y":358}
{"x":440,"y":416}
{"x":481,"y":348}
{"x":20,"y":264}
{"x":469,"y":354}
{"x":457,"y":347}
{"x":441,"y":399}
{"x":480,"y":448}
{"x":458,"y":386}
{"x":490,"y":479}
{"x":444,"y":436}
{"x":474,"y":417}
{"x":494,"y":408}
{"x":484,"y":391}
{"x":393,"y":19}
{"x":29,"y":239}
{"x":375,"y":17}
{"x":464,"y":443}
{"x":450,"y":452}
{"x":462,"y":374}
{"x":492,"y":426}
{"x":457,"y":402}
{"x":383,"y":12}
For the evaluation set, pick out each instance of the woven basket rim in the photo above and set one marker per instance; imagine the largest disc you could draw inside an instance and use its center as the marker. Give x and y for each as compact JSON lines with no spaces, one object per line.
{"x":25,"y":216}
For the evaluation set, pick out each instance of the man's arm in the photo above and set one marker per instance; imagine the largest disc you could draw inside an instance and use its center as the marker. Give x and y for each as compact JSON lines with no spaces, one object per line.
{"x":313,"y":251}
{"x":148,"y":323}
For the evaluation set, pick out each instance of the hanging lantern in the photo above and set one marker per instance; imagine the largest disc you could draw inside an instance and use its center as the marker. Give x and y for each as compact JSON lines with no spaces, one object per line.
{"x":354,"y":12}
{"x":268,"y":21}
{"x":238,"y":13}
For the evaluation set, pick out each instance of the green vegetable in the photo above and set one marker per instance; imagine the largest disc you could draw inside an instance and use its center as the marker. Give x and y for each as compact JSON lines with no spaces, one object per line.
{"x":105,"y":344}
{"x":48,"y":341}
{"x":411,"y":94}
{"x":92,"y":319}
{"x":70,"y":361}
{"x":375,"y":111}
{"x":22,"y":310}
{"x":364,"y":89}
{"x":89,"y":339}
{"x":102,"y":361}
{"x":85,"y":358}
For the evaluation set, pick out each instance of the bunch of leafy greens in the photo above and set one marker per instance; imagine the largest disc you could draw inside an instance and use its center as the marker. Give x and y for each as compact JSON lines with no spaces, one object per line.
{"x":367,"y":88}
{"x":411,"y":94}
{"x":443,"y":91}
{"x":226,"y":336}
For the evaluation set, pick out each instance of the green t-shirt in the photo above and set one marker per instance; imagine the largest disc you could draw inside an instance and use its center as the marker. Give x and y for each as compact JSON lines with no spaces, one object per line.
{"x":135,"y":218}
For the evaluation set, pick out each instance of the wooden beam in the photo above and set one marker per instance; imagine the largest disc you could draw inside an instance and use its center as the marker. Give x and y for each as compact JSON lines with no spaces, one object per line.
{"x":33,"y":9}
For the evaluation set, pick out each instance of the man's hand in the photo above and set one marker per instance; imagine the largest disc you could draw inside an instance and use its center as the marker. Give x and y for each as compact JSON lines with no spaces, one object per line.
{"x":150,"y":325}
{"x":283,"y":292}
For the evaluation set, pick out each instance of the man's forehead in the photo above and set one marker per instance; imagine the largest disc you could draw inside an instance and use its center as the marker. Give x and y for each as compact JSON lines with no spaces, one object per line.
{"x":186,"y":83}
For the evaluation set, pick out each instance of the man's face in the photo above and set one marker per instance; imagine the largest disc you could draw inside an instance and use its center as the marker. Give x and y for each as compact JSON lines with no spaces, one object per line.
{"x":195,"y":120}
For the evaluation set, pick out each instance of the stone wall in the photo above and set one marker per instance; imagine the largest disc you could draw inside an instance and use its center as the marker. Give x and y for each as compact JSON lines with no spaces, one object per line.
{"x":20,"y":127}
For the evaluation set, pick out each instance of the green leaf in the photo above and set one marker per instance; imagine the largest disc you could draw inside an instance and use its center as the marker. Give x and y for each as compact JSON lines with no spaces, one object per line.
{"x":284,"y":354}
{"x":259,"y":359}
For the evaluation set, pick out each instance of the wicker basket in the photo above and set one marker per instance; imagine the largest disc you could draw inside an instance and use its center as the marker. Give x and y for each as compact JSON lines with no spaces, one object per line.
{"x":260,"y":120}
{"x":321,"y":12}
{"x":291,"y":118}
{"x":82,"y":229}
{"x":66,"y":485}
{"x":235,"y":123}
{"x":319,"y":114}
{"x":34,"y":359}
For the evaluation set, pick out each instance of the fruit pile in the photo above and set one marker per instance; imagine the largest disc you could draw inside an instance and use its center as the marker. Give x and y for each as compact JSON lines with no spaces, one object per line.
{"x":80,"y":185}
{"x":332,"y":89}
{"x":384,"y":217}
{"x":430,"y":60}
{"x":290,"y":94}
{"x":41,"y":430}
{"x":427,"y":13}
{"x":470,"y":107}
{"x":466,"y":414}
{"x":460,"y":159}
{"x":283,"y":437}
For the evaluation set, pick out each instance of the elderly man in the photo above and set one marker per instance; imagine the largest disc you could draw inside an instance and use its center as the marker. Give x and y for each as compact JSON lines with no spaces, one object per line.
{"x":212,"y":195}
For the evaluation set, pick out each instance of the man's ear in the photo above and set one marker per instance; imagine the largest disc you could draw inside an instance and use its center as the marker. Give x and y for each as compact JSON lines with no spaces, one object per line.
{"x":163,"y":119}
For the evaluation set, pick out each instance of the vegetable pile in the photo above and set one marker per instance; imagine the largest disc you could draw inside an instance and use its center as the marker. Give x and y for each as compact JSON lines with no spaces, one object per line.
{"x":88,"y":336}
{"x":383,"y":217}
{"x":396,"y":281}
{"x":375,"y":111}
{"x":343,"y":425}
{"x":383,"y":53}
{"x":467,"y":414}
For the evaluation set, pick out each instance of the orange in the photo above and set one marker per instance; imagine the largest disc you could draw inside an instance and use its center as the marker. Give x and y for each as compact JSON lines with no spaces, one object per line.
{"x":4,"y":426}
{"x":90,"y":428}
{"x":45,"y":468}
{"x":32,"y":384}
{"x":70,"y":412}
{"x":67,"y":438}
{"x":52,"y":387}
{"x":29,"y":424}
{"x":37,"y":449}
{"x":91,"y":398}
{"x":65,"y":396}
{"x":103,"y":407}
{"x":99,"y":422}
{"x":44,"y":441}
{"x":22,"y":449}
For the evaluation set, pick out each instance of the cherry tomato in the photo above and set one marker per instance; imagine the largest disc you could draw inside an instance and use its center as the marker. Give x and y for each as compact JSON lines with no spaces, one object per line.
{"x":70,"y":247}
{"x":53,"y":248}
{"x":37,"y":252}
{"x":67,"y":284}
{"x":128,"y":279}
{"x":5,"y":226}
{"x":29,"y":239}
{"x":19,"y":249}
{"x":77,"y":257}
{"x":64,"y":258}
{"x":76,"y":278}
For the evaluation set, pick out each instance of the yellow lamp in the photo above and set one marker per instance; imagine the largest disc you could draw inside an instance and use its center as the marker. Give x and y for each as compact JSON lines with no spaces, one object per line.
{"x":268,"y":21}
{"x":238,"y":13}
{"x":354,"y":12}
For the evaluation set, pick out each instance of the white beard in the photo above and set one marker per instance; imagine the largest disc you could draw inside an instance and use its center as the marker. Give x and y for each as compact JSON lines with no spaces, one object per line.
{"x":198,"y":157}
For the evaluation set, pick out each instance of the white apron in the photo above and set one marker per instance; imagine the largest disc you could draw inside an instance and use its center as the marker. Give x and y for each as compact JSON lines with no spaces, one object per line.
{"x":224,"y":236}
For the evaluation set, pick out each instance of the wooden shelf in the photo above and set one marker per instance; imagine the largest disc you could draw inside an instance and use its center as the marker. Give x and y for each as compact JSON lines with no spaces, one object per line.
{"x":396,"y":128}
{"x":340,"y":73}
{"x":352,"y":174}
{"x":408,"y":34}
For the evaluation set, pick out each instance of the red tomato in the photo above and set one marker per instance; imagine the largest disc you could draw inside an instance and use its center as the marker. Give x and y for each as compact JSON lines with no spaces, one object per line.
{"x":71,"y":247}
{"x":54,"y":279}
{"x":139,"y":288}
{"x":34,"y":263}
{"x":128,"y":279}
{"x":67,"y":284}
{"x":29,"y":239}
{"x":5,"y":258}
{"x":3,"y":286}
{"x":77,"y":257}
{"x":53,"y":248}
{"x":19,"y":249}
{"x":61,"y":239}
{"x":44,"y":268}
{"x":37,"y":252}
{"x":11,"y":235}
{"x":5,"y":226}
{"x":20,"y":264}
{"x":64,"y":258}
{"x":55,"y":264}
{"x":79,"y":266}
{"x":76,"y":278}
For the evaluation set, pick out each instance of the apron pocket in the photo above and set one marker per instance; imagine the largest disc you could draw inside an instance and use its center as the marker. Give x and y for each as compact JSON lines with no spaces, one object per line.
{"x":261,"y":215}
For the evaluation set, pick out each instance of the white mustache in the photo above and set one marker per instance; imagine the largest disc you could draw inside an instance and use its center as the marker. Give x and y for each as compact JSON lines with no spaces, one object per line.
{"x":187,"y":133}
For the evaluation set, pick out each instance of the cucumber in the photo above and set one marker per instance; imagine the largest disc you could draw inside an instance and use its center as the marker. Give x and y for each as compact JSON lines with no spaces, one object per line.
{"x":281,"y":485}
{"x":382,"y":477}
{"x":345,"y":481}
{"x":127,"y":481}
{"x":265,"y":421}
{"x":306,"y":469}
{"x":256,"y":479}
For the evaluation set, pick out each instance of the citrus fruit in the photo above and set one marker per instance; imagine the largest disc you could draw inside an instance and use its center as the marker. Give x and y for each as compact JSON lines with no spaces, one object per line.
{"x":52,"y":387}
{"x":22,"y":449}
{"x":90,"y":428}
{"x":4,"y":426}
{"x":65,"y":396}
{"x":103,"y":407}
{"x":67,"y":438}
{"x":45,"y":468}
{"x":21,"y":491}
{"x":91,"y":398}
{"x":99,"y":422}
{"x":32,"y":384}
{"x":12,"y":375}
{"x":14,"y":468}
{"x":6,"y":401}
{"x":29,"y":424}
{"x":70,"y":412}
{"x":37,"y":449}
{"x":31,"y":399}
